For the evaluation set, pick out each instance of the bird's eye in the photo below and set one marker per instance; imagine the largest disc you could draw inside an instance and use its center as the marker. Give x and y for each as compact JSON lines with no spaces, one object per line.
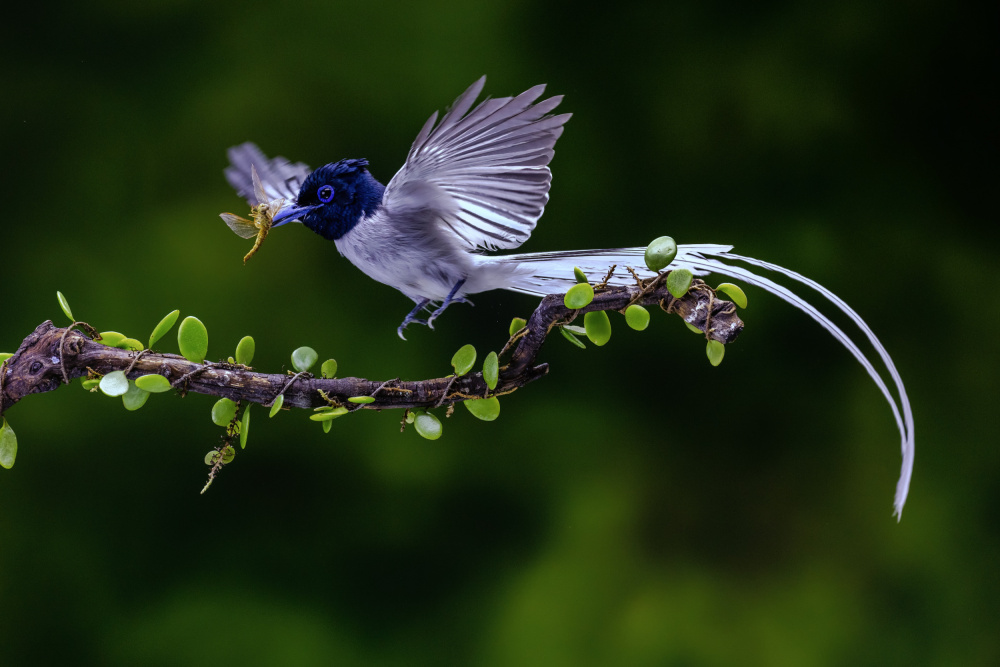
{"x":325,"y":194}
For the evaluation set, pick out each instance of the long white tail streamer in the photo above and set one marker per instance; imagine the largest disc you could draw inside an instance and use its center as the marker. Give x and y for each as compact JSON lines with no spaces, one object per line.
{"x":550,"y":270}
{"x":904,"y":422}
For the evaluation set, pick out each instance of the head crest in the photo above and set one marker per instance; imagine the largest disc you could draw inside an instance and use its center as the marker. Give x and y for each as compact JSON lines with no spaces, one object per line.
{"x":342,"y":168}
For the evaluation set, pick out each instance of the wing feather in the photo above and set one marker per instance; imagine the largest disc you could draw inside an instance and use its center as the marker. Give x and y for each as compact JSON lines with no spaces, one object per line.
{"x":482,"y":172}
{"x":278,"y":178}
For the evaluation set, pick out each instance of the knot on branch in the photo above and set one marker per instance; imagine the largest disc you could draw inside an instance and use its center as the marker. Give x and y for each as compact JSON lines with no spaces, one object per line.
{"x":37,"y":366}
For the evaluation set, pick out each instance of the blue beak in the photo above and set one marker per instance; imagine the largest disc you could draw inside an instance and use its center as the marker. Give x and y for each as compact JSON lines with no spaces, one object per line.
{"x":290,"y":214}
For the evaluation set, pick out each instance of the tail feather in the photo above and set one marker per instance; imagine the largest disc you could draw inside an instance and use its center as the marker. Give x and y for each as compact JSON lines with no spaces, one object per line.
{"x":544,"y":273}
{"x":547,"y":273}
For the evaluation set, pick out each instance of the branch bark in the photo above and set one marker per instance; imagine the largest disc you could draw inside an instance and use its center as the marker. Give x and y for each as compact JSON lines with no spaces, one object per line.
{"x":50,"y":354}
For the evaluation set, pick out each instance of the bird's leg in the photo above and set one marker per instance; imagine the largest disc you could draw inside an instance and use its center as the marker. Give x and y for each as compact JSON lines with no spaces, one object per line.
{"x":447,"y":301}
{"x":412,"y":317}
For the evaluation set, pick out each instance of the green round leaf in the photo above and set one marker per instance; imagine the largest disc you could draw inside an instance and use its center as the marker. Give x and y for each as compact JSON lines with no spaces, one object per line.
{"x":303,"y":359}
{"x":734,"y":292}
{"x":111,"y":338}
{"x":4,"y":356}
{"x":637,"y":317}
{"x":327,"y":415}
{"x":410,"y":416}
{"x":579,"y":296}
{"x":153,"y":383}
{"x":161,"y":329}
{"x":517,"y":324}
{"x":228,"y":454}
{"x":130,"y":344}
{"x":114,"y":383}
{"x":715,"y":351}
{"x":364,"y":400}
{"x":276,"y":405}
{"x":329,"y":368}
{"x":8,"y":445}
{"x":245,"y":427}
{"x":212,"y":457}
{"x":244,"y":350}
{"x":134,"y":398}
{"x":192,"y":338}
{"x":428,"y":426}
{"x":571,"y":338}
{"x":679,"y":282}
{"x":486,"y":409}
{"x":89,"y":384}
{"x":598,"y":326}
{"x":581,"y":277}
{"x":464,"y":359}
{"x":660,"y":253}
{"x":223,"y":411}
{"x":327,"y":425}
{"x":693,"y":328}
{"x":64,"y":304}
{"x":491,"y":370}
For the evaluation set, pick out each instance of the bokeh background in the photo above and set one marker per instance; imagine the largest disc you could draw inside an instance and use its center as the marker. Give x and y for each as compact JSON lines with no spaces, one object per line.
{"x":637,"y":506}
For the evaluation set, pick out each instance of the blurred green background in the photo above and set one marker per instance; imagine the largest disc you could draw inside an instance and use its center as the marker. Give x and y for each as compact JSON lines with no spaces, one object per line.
{"x":636,"y":507}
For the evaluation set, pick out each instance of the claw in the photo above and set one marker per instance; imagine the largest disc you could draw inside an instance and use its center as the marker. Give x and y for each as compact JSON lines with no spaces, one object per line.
{"x":411,"y":317}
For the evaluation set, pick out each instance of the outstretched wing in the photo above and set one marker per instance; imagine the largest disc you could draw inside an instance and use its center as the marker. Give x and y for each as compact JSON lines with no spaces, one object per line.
{"x":482,"y":175}
{"x":279,"y":178}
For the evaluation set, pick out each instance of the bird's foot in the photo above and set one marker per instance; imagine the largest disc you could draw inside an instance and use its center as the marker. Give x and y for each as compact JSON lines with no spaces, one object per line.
{"x":430,"y":320}
{"x":408,"y":321}
{"x":411,"y":317}
{"x":448,"y":300}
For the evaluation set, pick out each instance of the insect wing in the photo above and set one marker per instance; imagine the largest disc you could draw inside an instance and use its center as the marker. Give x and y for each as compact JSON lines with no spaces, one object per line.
{"x":258,"y":187}
{"x":243,"y":228}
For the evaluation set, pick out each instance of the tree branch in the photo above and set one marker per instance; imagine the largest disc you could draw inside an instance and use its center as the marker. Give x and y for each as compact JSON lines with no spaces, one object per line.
{"x":50,"y":354}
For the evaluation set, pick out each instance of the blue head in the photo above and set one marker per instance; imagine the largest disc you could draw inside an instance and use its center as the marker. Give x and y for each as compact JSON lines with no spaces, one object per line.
{"x":334,"y":198}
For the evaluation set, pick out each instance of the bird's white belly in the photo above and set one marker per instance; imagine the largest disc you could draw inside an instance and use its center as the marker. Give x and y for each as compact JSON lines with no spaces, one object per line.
{"x":415,"y":267}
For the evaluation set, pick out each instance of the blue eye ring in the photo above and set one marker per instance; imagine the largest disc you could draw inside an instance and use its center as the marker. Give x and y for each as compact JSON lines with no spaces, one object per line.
{"x":325,"y":194}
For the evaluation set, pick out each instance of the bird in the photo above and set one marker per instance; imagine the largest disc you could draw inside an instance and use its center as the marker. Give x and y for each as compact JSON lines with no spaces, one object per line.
{"x":475,"y":182}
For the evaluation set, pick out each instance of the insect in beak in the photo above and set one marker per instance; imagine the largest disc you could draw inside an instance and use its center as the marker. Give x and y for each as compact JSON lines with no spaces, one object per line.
{"x":262,"y":216}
